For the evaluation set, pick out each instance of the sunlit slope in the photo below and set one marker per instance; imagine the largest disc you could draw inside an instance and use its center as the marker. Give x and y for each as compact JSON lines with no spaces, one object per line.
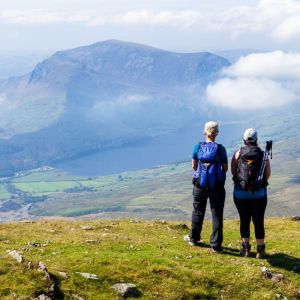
{"x":151,"y":255}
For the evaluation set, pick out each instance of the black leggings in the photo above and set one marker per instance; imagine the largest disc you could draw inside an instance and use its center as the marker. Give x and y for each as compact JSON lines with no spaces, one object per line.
{"x":254,"y":209}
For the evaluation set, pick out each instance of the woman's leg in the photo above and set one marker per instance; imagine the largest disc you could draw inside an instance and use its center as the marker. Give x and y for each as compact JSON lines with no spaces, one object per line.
{"x":245,"y":219}
{"x":243,"y":207}
{"x":258,"y":216}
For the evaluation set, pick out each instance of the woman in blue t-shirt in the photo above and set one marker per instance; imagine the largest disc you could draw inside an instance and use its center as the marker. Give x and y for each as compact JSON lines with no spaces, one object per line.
{"x":250,"y":199}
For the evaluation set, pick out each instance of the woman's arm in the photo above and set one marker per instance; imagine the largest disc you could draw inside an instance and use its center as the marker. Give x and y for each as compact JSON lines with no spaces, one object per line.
{"x":234,"y":160}
{"x":268,"y":169}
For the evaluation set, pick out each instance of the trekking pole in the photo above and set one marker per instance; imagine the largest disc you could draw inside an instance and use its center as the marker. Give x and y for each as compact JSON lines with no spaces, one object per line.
{"x":265,"y":158}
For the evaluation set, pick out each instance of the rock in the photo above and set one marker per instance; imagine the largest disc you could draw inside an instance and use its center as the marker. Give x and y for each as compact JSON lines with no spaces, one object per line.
{"x":273,"y":276}
{"x":295,"y":218}
{"x":189,"y":257}
{"x":14,"y":254}
{"x":33,"y":244}
{"x":280,"y":296}
{"x":15,"y":296}
{"x":277,"y":277}
{"x":126,"y":290}
{"x":86,"y":227}
{"x":50,"y":282}
{"x":105,"y":234}
{"x":63,"y":274}
{"x":28,"y":221}
{"x":92,"y":241}
{"x":77,"y":297}
{"x":43,"y":297}
{"x":30,"y":265}
{"x":135,"y":221}
{"x":88,"y":275}
{"x":266,"y":272}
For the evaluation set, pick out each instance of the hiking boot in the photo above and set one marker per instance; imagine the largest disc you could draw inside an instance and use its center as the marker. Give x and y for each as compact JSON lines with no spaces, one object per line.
{"x":261,"y":252}
{"x":215,"y":250}
{"x":191,"y":242}
{"x":245,"y":250}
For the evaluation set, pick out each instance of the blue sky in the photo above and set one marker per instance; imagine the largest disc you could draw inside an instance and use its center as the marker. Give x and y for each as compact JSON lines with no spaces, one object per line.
{"x":184,"y":25}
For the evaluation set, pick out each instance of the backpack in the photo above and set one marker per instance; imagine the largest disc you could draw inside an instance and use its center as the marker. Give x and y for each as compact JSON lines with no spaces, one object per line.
{"x":248,"y":167}
{"x":209,"y":170}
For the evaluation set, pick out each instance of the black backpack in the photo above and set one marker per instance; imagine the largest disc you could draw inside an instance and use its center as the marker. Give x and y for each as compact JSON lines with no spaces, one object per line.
{"x":248,"y":167}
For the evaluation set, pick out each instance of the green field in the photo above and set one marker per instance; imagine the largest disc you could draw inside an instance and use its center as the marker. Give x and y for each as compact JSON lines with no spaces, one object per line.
{"x":159,"y":192}
{"x":151,"y":255}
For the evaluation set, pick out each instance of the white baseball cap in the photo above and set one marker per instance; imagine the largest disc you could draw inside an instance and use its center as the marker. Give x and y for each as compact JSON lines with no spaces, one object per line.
{"x":250,"y":135}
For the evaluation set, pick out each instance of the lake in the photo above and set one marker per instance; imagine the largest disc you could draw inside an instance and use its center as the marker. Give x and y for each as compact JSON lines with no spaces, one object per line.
{"x":172,"y":148}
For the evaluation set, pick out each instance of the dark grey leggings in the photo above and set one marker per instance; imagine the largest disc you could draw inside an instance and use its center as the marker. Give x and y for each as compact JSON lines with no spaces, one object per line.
{"x":252,"y":209}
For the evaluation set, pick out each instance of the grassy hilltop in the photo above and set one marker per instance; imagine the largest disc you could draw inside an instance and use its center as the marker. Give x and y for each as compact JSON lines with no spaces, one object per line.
{"x":150,"y":254}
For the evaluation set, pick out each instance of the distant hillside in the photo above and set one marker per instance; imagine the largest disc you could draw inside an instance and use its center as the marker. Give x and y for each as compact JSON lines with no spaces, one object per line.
{"x":151,"y":255}
{"x":99,"y":97}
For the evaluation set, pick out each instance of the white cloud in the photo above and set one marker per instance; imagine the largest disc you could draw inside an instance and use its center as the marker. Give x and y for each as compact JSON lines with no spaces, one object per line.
{"x":258,"y":81}
{"x":289,"y":29}
{"x":275,"y":65}
{"x":274,"y":19}
{"x":31,"y":17}
{"x":249,"y":93}
{"x":186,"y":17}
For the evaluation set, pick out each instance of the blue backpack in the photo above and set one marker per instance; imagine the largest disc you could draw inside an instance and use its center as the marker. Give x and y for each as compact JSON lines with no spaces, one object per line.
{"x":209,"y":169}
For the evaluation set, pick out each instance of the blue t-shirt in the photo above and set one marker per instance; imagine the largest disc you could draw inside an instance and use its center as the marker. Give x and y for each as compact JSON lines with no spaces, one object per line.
{"x":222,"y":152}
{"x":239,"y":193}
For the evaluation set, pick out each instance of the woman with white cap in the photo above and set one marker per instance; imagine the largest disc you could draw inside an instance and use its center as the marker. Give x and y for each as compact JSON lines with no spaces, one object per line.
{"x":250,"y":194}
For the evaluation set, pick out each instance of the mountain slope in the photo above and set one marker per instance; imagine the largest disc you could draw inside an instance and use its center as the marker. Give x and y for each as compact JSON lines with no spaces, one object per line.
{"x":99,"y":97}
{"x":151,"y":255}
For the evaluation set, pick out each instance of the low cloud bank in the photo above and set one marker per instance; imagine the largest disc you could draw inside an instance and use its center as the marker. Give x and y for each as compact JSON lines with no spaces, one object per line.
{"x":258,"y":81}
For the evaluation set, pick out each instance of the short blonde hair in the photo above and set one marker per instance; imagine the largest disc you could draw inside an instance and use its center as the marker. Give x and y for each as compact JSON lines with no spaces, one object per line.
{"x":211,"y":127}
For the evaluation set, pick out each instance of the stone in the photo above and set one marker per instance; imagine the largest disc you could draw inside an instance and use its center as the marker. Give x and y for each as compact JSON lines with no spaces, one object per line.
{"x":50,"y":282}
{"x":266,"y":272}
{"x":92,"y":241}
{"x":273,"y":276}
{"x":30,"y":265}
{"x":86,"y":227}
{"x":277,"y":277}
{"x":15,"y":255}
{"x":63,"y":274}
{"x":126,"y":290}
{"x":88,"y":275}
{"x":33,"y":244}
{"x":77,"y":297}
{"x":136,"y":221}
{"x":43,"y":297}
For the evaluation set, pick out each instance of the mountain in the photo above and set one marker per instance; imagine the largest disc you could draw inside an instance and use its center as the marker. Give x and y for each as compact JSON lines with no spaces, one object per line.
{"x":99,"y":97}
